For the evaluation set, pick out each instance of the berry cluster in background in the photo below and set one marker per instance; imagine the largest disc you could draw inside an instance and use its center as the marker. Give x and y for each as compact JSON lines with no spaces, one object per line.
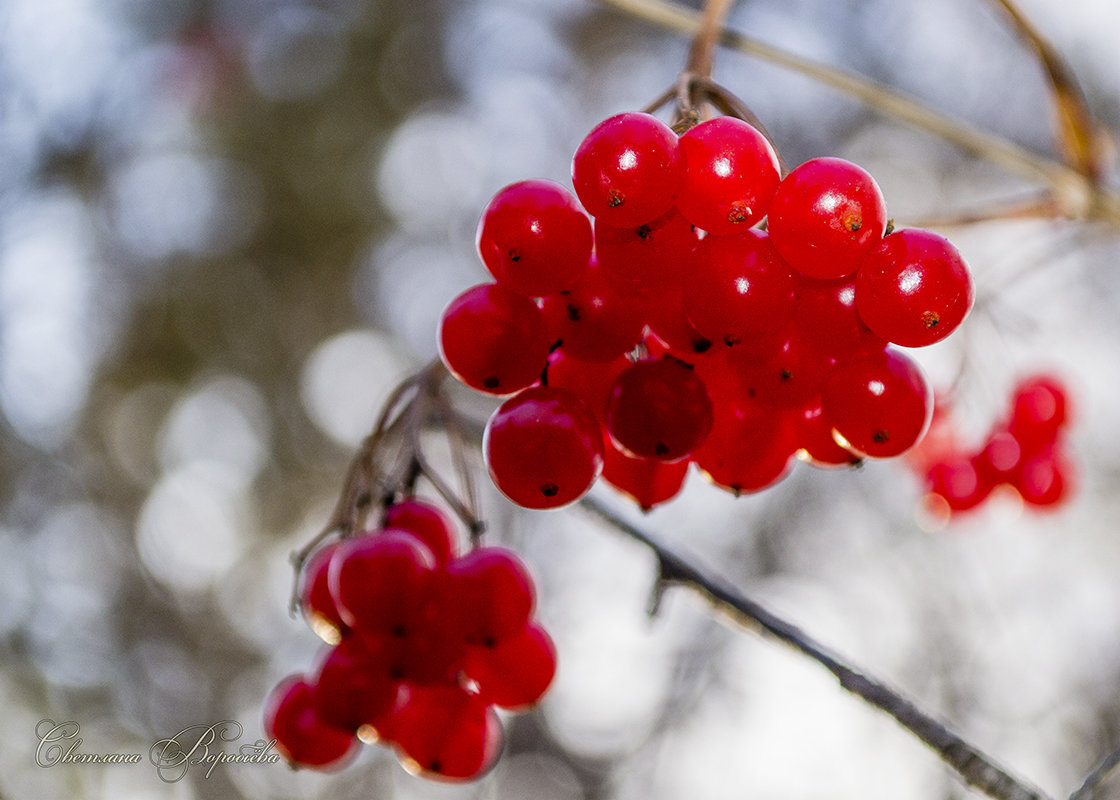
{"x":422,"y":644}
{"x":1025,"y":451}
{"x":655,"y":323}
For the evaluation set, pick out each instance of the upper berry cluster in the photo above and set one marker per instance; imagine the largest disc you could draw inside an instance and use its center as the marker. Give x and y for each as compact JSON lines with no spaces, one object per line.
{"x":671,"y":327}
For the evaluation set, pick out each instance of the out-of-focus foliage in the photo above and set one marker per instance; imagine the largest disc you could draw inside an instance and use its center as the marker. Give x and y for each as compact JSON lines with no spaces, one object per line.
{"x":227,"y":228}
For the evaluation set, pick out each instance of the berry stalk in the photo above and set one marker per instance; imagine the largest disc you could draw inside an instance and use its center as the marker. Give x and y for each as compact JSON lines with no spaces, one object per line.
{"x":701,"y":56}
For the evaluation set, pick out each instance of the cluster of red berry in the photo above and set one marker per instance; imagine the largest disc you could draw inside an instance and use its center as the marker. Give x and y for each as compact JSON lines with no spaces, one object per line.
{"x":422,"y":645}
{"x":673,"y":330}
{"x":1025,"y":452}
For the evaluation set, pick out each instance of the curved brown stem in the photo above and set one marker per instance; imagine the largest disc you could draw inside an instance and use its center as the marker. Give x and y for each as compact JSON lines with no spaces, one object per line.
{"x":698,"y":67}
{"x":1077,"y":196}
{"x":1079,"y":136}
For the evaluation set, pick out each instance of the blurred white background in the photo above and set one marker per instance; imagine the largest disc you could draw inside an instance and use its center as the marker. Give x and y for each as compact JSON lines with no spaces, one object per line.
{"x":227,"y":228}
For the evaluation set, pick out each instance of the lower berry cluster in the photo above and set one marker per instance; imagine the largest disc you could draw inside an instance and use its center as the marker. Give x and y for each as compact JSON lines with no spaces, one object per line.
{"x":423,"y":644}
{"x":673,"y":329}
{"x":1025,"y":451}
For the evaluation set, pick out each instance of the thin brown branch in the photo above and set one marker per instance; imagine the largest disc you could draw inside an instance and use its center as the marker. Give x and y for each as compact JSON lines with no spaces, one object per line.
{"x":1037,"y":205}
{"x":973,"y":766}
{"x":1077,"y":196}
{"x":701,"y":55}
{"x":1088,"y":789}
{"x":1080,"y":138}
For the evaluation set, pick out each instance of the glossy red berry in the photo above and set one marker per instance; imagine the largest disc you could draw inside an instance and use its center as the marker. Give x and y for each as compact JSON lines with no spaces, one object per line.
{"x":591,"y":381}
{"x":445,"y":733}
{"x":644,"y":258}
{"x":534,"y":238}
{"x":731,"y":174}
{"x":494,"y":340}
{"x":790,"y":375}
{"x":880,"y":404}
{"x":494,"y":594}
{"x":355,"y":683}
{"x":751,"y":446}
{"x":826,"y":216}
{"x":543,"y":448}
{"x":628,"y":170}
{"x":593,"y":320}
{"x":670,"y":329}
{"x":427,"y":523}
{"x":433,"y":650}
{"x":379,"y":581}
{"x":739,"y":289}
{"x":315,"y":600}
{"x":827,"y":320}
{"x":301,"y":735}
{"x":649,"y":481}
{"x":659,"y":409}
{"x":914,"y":289}
{"x":814,"y":437}
{"x":517,"y":672}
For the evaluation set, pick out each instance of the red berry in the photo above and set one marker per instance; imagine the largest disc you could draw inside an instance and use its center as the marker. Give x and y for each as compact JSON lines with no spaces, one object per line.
{"x":1044,"y":479}
{"x":380,"y":581}
{"x":427,"y":523}
{"x":879,"y":404}
{"x":516,"y":673}
{"x":826,"y":216}
{"x":315,"y":599}
{"x":670,"y":329}
{"x":751,"y":446}
{"x":644,"y":258}
{"x":593,"y":320}
{"x":447,"y":734}
{"x":1038,"y":411}
{"x":731,"y":173}
{"x":493,"y":593}
{"x":534,"y":238}
{"x":301,"y":735}
{"x":494,"y":340}
{"x":648,"y":480}
{"x":914,"y":289}
{"x":430,"y":647}
{"x":1000,"y":458}
{"x":591,"y":381}
{"x":739,"y":288}
{"x":817,"y":445}
{"x":355,"y":683}
{"x":827,"y":320}
{"x":959,"y":483}
{"x":628,"y":170}
{"x":543,"y":448}
{"x":659,"y":409}
{"x":790,"y":375}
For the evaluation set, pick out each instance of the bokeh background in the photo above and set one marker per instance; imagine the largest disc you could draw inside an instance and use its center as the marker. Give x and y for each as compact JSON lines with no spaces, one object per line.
{"x":227,"y":227}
